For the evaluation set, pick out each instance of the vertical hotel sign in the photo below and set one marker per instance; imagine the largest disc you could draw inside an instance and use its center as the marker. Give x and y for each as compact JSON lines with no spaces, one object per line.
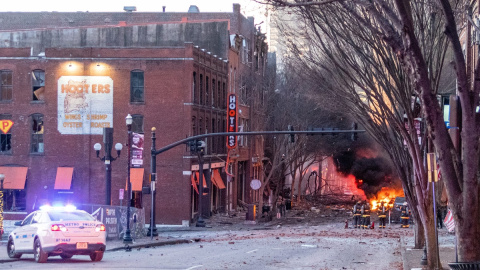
{"x":85,"y":104}
{"x":232,"y":121}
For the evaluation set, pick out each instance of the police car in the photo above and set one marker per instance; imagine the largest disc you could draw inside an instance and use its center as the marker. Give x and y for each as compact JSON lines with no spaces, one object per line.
{"x":57,"y":231}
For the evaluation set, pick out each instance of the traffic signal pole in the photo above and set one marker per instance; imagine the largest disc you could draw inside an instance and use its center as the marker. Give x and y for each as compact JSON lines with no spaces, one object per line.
{"x":155,"y":152}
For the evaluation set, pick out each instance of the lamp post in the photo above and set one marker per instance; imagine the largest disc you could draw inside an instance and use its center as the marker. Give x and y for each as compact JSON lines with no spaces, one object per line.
{"x":152,"y":231}
{"x":107,"y":158}
{"x":200,"y":148}
{"x":2,"y":177}
{"x":127,"y":238}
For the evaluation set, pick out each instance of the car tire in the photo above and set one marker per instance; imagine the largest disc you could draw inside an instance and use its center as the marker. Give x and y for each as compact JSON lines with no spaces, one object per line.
{"x":11,"y":250}
{"x":40,"y":255}
{"x":96,"y":256}
{"x":66,"y":256}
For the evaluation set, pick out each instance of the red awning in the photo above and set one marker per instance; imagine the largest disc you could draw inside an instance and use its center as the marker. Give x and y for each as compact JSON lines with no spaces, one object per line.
{"x":15,"y":177}
{"x":64,"y":178}
{"x":194,"y":183}
{"x":217,"y":179}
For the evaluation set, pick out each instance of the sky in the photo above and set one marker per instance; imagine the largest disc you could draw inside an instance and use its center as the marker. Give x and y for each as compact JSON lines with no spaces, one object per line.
{"x":117,"y":5}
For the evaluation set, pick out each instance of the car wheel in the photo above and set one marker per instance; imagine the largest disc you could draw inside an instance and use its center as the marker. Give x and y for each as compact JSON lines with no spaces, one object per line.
{"x":40,"y":255}
{"x":96,"y":256}
{"x":11,"y":250}
{"x":66,"y":256}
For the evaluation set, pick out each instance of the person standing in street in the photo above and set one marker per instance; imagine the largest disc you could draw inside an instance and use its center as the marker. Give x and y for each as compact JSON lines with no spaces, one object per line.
{"x":366,"y":215}
{"x":382,"y":215}
{"x":357,"y":215}
{"x":404,"y":216}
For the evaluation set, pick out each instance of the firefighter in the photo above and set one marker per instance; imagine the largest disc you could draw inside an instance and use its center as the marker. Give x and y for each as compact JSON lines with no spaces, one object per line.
{"x":366,"y":215}
{"x":382,"y":215}
{"x":404,"y":216}
{"x":357,"y":215}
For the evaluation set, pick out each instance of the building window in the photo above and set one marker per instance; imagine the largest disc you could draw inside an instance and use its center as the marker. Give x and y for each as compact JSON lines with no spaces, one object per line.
{"x":207,"y":92}
{"x":14,"y":200}
{"x":213,"y":93}
{"x":201,"y":89}
{"x":38,"y":84}
{"x":194,"y":125}
{"x":37,"y":133}
{"x":137,"y":123}
{"x":219,"y":96}
{"x":6,"y":86}
{"x":195,"y":90}
{"x":243,"y":90}
{"x":6,"y":139}
{"x":137,"y":86}
{"x":213,"y":140}
{"x":224,"y":103}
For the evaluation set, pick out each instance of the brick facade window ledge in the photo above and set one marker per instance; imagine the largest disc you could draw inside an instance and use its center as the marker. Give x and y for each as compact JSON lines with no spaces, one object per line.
{"x":37,"y":154}
{"x":137,"y":102}
{"x":37,"y":102}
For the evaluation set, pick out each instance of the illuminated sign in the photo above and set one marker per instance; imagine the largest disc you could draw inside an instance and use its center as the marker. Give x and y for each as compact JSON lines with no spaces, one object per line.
{"x":5,"y":125}
{"x":232,"y":121}
{"x":84,"y":104}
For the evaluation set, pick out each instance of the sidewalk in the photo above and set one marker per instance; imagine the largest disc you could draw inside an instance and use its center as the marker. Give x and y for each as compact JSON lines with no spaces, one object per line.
{"x":412,"y":257}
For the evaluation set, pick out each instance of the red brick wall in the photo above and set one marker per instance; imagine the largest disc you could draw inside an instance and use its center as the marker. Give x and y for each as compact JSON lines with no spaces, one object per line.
{"x":168,"y":81}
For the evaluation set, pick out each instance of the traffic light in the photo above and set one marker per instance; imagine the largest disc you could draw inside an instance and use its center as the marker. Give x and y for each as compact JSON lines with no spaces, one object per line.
{"x":200,"y":147}
{"x":354,"y":134}
{"x":291,"y":135}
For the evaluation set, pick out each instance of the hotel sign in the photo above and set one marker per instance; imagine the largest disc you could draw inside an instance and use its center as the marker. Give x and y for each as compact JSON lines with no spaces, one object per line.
{"x":84,"y":104}
{"x":232,"y":121}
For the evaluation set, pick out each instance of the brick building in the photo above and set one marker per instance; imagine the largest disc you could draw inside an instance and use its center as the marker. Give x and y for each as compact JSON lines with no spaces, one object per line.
{"x":65,"y":76}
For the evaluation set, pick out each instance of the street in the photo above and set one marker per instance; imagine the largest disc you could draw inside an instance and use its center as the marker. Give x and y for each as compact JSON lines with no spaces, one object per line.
{"x":302,"y":246}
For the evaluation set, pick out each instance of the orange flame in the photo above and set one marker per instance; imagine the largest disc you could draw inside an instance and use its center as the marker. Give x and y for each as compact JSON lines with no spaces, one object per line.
{"x":386,"y":195}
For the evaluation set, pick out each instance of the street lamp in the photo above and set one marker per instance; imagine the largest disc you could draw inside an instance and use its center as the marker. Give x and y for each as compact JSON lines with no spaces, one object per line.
{"x":127,"y":238}
{"x":107,"y":142}
{"x":2,"y":176}
{"x":152,"y":231}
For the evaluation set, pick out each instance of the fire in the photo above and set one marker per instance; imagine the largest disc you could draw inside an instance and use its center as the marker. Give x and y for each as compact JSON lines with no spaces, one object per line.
{"x":386,"y":195}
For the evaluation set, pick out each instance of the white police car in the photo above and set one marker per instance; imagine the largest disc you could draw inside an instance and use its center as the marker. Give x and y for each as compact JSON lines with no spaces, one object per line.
{"x":58,"y":231}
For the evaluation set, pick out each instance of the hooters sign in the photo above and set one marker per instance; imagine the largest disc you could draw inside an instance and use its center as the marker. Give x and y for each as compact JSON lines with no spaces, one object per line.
{"x":232,"y":121}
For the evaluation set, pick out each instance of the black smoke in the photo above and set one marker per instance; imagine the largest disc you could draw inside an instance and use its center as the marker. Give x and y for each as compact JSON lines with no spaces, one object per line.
{"x":371,"y":174}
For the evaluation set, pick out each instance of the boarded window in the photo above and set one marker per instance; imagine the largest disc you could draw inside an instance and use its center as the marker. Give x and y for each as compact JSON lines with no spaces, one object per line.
{"x":38,"y":84}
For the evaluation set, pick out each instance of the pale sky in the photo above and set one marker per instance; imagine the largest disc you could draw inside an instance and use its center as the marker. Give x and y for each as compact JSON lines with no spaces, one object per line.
{"x":117,"y":5}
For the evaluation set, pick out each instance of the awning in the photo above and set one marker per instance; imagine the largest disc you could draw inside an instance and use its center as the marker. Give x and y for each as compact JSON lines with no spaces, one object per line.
{"x":136,"y":178}
{"x":14,"y":177}
{"x":217,"y":179}
{"x":194,"y":183}
{"x":204,"y":181}
{"x":64,"y":178}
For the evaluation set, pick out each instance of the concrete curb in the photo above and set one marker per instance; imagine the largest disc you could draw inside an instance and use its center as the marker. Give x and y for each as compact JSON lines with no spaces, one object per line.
{"x":150,"y":244}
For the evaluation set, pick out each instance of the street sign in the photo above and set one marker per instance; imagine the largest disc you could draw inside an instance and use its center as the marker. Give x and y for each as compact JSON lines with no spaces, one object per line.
{"x":121,"y":193}
{"x":255,"y":184}
{"x":432,"y":167}
{"x":232,"y":121}
{"x":5,"y":125}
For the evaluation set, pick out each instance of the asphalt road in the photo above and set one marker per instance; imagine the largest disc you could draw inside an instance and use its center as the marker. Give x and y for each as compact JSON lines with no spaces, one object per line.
{"x":294,"y":247}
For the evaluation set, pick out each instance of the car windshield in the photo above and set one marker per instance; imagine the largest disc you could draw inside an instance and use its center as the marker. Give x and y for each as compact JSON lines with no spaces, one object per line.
{"x":68,"y":216}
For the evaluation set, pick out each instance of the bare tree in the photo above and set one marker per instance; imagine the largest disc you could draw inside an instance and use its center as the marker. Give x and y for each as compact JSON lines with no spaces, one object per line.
{"x":396,"y":24}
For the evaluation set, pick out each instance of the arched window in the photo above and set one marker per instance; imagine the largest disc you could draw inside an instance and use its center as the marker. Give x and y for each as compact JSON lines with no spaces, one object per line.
{"x":137,"y":86}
